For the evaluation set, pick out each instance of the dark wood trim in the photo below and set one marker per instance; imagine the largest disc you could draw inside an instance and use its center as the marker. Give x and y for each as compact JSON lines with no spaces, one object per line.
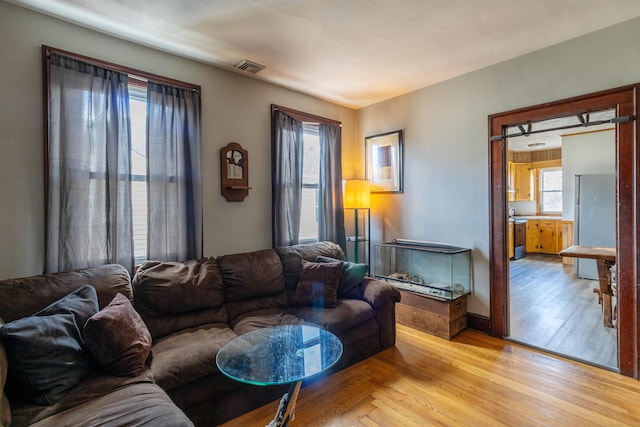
{"x":479,"y":323}
{"x":46,"y":86}
{"x":128,"y":70}
{"x":624,"y":100}
{"x":302,"y":116}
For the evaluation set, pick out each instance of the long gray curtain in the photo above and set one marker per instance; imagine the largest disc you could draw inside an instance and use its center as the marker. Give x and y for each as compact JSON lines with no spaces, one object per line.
{"x":89,"y":219}
{"x":286,"y":186}
{"x":175,"y":185}
{"x":330,"y":203}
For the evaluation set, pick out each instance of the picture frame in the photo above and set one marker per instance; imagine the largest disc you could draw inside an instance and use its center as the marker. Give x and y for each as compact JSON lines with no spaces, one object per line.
{"x":383,"y":162}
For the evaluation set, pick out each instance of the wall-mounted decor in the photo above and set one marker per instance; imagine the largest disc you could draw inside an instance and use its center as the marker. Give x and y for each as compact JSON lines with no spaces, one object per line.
{"x":383,"y":162}
{"x":234,"y":172}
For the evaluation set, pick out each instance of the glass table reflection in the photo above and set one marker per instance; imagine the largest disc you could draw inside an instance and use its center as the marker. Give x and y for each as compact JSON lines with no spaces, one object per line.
{"x":280,"y":355}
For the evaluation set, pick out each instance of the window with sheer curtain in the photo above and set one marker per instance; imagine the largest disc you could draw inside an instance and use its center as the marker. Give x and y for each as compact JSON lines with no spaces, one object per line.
{"x":122,"y":165}
{"x":307,"y":202}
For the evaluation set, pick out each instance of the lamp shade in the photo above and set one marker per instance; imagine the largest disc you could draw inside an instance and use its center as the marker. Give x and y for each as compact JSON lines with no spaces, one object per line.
{"x":357,"y":194}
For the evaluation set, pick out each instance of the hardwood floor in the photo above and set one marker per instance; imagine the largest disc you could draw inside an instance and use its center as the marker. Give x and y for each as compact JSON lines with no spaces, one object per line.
{"x":552,"y":310}
{"x":473,"y":380}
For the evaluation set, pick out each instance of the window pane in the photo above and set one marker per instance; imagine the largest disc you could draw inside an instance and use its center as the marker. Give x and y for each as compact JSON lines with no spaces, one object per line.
{"x":552,"y":202}
{"x":139,"y":207}
{"x":551,"y":190}
{"x":308,"y":217}
{"x":310,"y":179}
{"x":552,"y":180}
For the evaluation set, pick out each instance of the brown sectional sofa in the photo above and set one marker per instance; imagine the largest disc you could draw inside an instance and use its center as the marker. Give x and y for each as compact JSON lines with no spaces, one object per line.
{"x":191,"y":310}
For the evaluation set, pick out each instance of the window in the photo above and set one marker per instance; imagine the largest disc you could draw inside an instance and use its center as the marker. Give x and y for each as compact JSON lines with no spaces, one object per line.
{"x":139,"y":202}
{"x":306,"y":157}
{"x":551,"y":190}
{"x":310,"y":180}
{"x":123,"y":155}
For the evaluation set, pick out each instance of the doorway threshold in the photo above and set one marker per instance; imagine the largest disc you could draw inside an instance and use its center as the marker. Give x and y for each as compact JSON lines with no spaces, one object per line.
{"x":564,"y":356}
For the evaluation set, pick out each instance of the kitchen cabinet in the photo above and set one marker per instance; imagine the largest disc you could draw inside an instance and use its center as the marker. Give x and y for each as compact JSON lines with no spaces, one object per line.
{"x":523,"y":182}
{"x":544,"y":236}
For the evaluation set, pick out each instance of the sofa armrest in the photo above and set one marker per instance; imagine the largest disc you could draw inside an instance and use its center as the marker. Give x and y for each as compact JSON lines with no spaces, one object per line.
{"x":5,"y":410}
{"x":383,"y":298}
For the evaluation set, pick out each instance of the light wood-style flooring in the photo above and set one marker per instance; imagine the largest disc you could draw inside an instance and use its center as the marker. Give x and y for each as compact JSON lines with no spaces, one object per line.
{"x":473,"y":380}
{"x":553,"y":310}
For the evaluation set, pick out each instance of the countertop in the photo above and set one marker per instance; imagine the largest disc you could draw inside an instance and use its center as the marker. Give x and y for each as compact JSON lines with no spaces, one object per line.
{"x":542,"y":217}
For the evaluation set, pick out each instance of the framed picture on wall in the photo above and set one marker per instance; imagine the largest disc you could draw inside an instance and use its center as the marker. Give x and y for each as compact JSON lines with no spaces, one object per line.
{"x":383,"y":162}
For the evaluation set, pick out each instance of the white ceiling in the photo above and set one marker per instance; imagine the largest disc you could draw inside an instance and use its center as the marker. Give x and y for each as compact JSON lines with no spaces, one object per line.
{"x":351,"y":52}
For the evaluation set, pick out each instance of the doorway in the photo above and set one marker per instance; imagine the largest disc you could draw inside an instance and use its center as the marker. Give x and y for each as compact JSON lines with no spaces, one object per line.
{"x":551,"y":304}
{"x":624,"y":102}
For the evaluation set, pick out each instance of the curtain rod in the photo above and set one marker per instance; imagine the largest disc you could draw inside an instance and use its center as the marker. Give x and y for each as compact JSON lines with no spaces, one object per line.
{"x":583,"y":123}
{"x":132,"y":72}
{"x":302,"y":116}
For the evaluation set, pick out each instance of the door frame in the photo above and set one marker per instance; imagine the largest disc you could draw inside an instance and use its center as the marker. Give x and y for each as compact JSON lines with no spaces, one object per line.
{"x":625,"y":102}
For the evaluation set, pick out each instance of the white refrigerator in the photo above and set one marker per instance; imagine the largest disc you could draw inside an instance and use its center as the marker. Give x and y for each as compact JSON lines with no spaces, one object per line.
{"x":595,"y":218}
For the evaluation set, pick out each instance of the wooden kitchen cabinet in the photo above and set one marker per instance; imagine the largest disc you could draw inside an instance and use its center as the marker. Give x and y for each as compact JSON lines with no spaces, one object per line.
{"x":532,"y":236}
{"x":523,"y":182}
{"x":543,"y":236}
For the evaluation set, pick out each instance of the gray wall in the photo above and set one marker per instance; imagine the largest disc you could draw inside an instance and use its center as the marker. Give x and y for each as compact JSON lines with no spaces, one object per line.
{"x":446,"y":137}
{"x":235,"y":108}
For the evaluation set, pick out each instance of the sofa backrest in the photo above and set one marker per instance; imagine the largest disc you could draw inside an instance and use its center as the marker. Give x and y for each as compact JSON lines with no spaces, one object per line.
{"x":171,"y":296}
{"x":252,"y":281}
{"x":27,"y":295}
{"x":291,"y":258}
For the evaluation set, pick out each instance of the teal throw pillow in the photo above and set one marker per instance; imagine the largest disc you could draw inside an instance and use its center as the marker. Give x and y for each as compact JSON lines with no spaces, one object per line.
{"x":352,"y":275}
{"x":46,"y":353}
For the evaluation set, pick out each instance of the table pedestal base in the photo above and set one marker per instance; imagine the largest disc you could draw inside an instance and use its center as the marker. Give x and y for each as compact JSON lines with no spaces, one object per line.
{"x":287,"y":407}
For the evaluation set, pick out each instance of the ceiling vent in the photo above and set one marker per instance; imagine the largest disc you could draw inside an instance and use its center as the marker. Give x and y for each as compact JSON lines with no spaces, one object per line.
{"x":249,"y":66}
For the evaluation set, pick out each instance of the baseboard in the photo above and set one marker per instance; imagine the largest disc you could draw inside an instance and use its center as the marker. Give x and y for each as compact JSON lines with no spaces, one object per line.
{"x":479,"y":323}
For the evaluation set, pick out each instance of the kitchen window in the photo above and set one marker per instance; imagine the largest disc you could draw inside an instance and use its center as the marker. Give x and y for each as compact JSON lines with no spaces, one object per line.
{"x":551,"y":190}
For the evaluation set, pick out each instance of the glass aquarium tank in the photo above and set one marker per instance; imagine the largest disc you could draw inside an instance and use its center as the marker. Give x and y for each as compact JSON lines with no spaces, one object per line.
{"x":432,"y":269}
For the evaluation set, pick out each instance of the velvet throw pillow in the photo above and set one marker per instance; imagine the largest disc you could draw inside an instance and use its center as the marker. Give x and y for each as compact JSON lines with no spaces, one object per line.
{"x":351,"y":277}
{"x":118,"y":338}
{"x":46,"y":353}
{"x":318,"y":285}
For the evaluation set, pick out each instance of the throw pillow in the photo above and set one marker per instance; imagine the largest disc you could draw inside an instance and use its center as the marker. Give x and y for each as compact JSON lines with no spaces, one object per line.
{"x":351,"y":277}
{"x":318,"y":285}
{"x":46,"y":352}
{"x":118,"y":338}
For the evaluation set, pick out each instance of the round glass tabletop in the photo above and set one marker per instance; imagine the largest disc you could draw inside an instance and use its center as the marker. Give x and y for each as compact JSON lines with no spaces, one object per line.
{"x":279,"y":355}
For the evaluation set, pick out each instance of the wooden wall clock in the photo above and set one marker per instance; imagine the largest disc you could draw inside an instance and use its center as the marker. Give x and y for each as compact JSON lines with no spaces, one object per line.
{"x":234,"y":172}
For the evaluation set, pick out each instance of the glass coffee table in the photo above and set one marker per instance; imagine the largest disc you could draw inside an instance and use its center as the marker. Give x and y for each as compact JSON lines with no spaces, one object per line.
{"x":280,"y":355}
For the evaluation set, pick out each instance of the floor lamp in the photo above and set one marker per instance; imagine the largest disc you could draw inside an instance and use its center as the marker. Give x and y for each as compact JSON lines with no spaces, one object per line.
{"x":357,"y":196}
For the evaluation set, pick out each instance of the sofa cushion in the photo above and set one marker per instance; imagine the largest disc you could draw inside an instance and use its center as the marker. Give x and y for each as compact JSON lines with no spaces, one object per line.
{"x":46,"y":351}
{"x":105,"y":400}
{"x":25,"y":296}
{"x":252,"y":281}
{"x":188,"y":355}
{"x":177,"y":287}
{"x":248,"y":322}
{"x":347,"y":314}
{"x":352,"y":276}
{"x":118,"y":339}
{"x":318,"y":285}
{"x":291,"y":257}
{"x":171,"y":296}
